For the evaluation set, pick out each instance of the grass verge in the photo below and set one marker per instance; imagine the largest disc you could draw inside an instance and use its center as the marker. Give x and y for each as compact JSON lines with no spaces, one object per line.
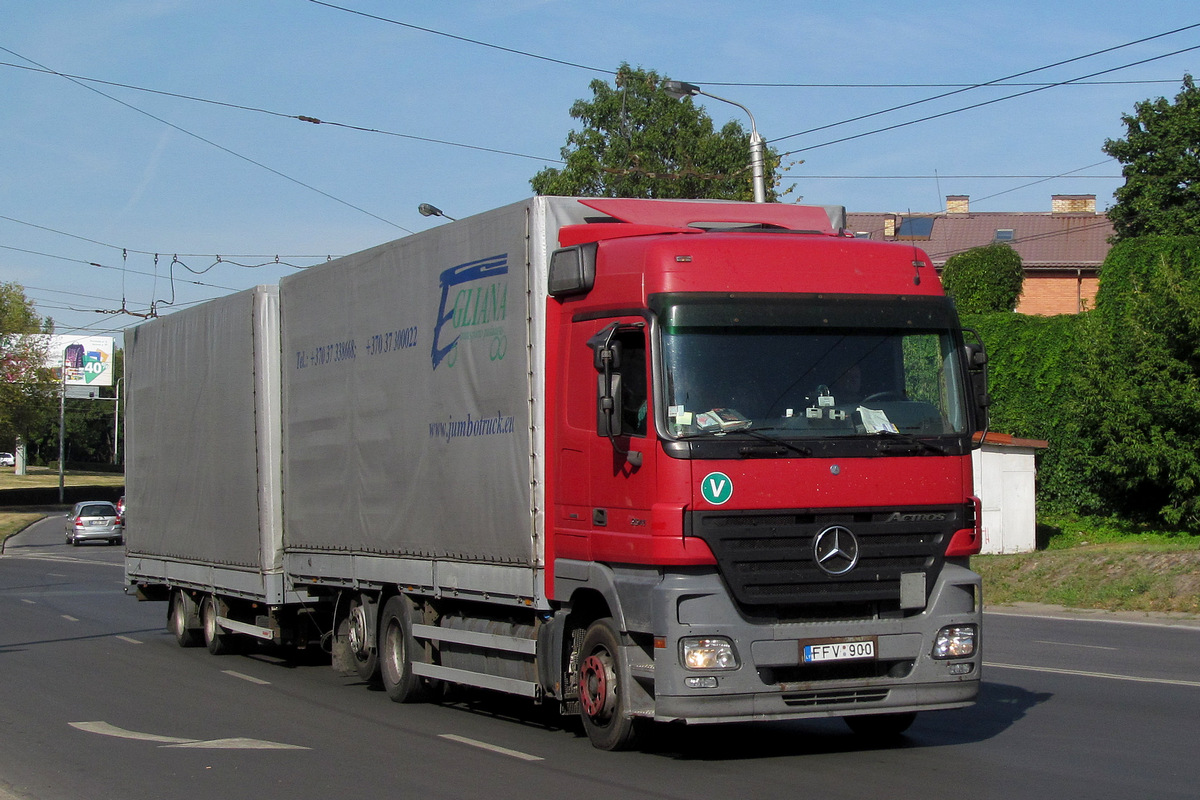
{"x":1098,"y":564}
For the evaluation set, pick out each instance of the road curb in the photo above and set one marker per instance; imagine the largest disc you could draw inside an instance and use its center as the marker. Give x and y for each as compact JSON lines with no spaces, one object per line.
{"x":1159,"y":618}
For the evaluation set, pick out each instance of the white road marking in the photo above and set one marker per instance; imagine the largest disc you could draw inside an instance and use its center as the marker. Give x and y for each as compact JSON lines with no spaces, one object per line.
{"x":27,"y":600}
{"x":235,"y":743}
{"x":129,"y":639}
{"x":238,"y":743}
{"x":248,"y":678}
{"x":105,"y":729}
{"x":1086,"y":674}
{"x":493,"y":748}
{"x":1073,"y":644}
{"x":69,"y":618}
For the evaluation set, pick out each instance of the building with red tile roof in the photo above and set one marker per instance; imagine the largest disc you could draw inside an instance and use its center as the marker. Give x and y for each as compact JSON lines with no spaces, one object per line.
{"x":1061,"y":250}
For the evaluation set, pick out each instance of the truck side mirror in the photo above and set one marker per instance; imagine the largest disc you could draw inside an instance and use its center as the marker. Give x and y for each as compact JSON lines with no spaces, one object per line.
{"x":572,"y":270}
{"x":609,"y":409}
{"x":977,"y":375}
{"x":606,"y":357}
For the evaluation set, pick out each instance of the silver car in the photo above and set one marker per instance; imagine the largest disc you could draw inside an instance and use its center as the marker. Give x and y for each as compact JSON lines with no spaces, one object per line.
{"x":95,"y":519}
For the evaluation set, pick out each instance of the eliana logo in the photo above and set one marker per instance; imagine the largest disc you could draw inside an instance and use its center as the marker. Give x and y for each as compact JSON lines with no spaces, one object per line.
{"x":480,"y":299}
{"x":716,"y":488}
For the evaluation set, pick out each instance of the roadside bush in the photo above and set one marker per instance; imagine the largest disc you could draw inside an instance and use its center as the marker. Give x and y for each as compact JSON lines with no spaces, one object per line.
{"x":984,"y":279}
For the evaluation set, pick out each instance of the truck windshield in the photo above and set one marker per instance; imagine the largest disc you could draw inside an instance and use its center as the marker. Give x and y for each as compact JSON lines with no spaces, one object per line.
{"x":809,"y":367}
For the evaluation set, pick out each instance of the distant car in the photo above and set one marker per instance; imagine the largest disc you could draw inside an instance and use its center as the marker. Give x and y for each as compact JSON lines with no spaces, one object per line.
{"x":121,"y":507}
{"x":8,"y":460}
{"x":95,"y":519}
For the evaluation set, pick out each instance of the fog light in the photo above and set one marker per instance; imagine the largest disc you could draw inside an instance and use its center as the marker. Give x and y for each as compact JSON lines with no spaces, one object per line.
{"x":707,"y":682}
{"x":961,"y":668}
{"x":708,"y":653}
{"x":955,"y":641}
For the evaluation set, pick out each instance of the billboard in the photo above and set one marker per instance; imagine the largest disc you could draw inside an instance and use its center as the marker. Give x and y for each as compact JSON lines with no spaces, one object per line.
{"x":87,"y":360}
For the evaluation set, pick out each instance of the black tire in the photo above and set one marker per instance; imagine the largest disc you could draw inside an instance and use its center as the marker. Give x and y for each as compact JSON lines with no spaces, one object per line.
{"x":881,"y":727}
{"x":396,"y":646}
{"x":217,"y":641}
{"x":603,"y":699}
{"x":177,"y":621}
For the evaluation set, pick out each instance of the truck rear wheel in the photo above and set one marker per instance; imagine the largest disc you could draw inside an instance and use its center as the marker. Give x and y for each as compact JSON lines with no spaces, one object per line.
{"x":218,"y":641}
{"x":179,"y":613}
{"x":396,"y":646}
{"x":603,"y":699}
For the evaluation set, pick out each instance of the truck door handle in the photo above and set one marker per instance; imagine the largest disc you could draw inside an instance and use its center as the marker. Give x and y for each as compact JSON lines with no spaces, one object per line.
{"x":600,"y":517}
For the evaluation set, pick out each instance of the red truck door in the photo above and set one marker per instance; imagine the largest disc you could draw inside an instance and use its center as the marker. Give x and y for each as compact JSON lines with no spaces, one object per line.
{"x":604,"y":486}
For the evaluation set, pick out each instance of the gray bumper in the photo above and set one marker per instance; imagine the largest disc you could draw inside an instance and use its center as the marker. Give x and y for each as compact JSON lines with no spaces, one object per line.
{"x":772,"y":683}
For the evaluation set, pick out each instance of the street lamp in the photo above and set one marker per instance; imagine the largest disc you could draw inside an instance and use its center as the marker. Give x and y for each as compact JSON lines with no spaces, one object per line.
{"x":680,"y":90}
{"x":432,"y":211}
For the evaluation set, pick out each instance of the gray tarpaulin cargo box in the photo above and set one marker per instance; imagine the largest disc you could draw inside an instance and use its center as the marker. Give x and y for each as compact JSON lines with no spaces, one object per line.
{"x":374,"y":420}
{"x":413,"y":387}
{"x":203,"y":447}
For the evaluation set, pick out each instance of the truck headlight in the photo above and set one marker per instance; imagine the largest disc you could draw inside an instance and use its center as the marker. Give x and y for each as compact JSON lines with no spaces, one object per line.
{"x":955,"y":641}
{"x":708,"y":653}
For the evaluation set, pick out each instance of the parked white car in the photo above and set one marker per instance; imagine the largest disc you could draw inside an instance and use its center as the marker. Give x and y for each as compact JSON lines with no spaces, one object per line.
{"x":8,"y":460}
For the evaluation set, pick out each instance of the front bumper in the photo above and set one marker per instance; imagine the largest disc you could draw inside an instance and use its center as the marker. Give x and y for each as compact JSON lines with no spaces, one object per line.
{"x":773,"y":683}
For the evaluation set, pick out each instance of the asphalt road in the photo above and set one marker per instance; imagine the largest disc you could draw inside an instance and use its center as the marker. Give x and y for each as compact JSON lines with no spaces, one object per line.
{"x":97,"y":701}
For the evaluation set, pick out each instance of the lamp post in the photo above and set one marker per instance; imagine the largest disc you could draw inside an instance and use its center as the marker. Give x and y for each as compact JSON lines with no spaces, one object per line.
{"x":62,"y":416}
{"x":680,"y":90}
{"x":427,"y":210}
{"x":117,"y":422}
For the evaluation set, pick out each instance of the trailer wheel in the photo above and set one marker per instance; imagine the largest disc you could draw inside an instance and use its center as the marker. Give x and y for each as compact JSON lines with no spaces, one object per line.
{"x":366,"y":660}
{"x":603,"y":702}
{"x":177,"y":620}
{"x":219,"y":642}
{"x":881,"y":727}
{"x":396,"y":645}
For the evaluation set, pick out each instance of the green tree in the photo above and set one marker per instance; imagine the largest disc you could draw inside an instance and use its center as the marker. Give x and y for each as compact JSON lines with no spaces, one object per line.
{"x":638,"y":141}
{"x":27,"y":387}
{"x":984,"y":279}
{"x":1161,"y":158}
{"x":1141,"y":362}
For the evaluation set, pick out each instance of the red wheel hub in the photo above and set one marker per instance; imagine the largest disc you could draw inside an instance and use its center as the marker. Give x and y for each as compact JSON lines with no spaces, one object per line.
{"x":593,"y":686}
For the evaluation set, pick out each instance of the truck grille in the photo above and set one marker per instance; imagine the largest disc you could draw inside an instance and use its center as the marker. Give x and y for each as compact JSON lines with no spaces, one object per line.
{"x":767,"y":559}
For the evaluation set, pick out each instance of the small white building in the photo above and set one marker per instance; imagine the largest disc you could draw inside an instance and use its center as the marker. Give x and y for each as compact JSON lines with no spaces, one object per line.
{"x":1005,"y":480}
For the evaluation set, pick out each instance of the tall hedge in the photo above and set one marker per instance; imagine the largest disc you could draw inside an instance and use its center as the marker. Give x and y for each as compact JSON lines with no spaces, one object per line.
{"x":1142,"y":363}
{"x":1115,"y":391}
{"x":1034,"y":381}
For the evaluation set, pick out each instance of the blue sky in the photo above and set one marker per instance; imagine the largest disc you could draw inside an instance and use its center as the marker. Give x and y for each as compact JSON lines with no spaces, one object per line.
{"x":99,"y":178}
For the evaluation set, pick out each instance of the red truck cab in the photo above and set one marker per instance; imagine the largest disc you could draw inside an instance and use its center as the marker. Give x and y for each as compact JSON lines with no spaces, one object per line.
{"x":758,"y":435}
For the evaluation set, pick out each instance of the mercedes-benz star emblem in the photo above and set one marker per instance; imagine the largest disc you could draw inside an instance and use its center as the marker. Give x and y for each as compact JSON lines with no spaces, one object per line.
{"x":836,"y":550}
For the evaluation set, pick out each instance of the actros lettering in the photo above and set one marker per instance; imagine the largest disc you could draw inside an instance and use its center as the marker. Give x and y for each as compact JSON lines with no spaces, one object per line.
{"x":898,"y":517}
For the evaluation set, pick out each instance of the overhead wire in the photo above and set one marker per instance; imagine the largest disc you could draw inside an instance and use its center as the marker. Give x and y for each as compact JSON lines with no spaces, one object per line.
{"x":995,"y":82}
{"x":211,"y":143}
{"x":300,"y":117}
{"x":976,"y":105}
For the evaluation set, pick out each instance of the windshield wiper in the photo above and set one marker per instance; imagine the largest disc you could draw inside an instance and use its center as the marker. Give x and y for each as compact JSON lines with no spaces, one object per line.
{"x":906,"y":440}
{"x":780,"y":445}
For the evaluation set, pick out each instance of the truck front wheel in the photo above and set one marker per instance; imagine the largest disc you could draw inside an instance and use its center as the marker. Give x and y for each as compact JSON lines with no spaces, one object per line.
{"x":603,"y":699}
{"x":396,"y":645}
